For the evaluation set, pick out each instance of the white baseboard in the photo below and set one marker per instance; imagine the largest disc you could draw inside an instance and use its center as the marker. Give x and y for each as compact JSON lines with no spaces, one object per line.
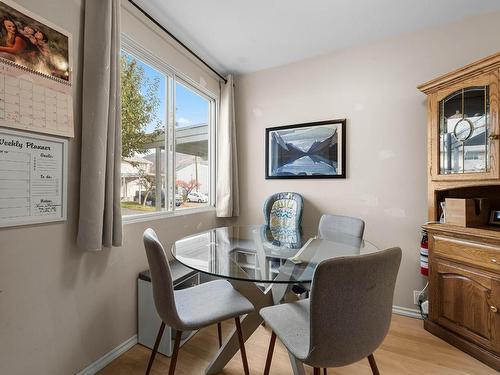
{"x":107,"y":358}
{"x":404,"y":311}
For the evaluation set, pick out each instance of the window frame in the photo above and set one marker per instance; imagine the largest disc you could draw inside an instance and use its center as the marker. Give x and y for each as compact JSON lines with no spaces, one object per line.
{"x":172,"y":75}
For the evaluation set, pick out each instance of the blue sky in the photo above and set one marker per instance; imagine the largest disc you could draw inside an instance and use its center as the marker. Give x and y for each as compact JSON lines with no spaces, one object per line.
{"x":190,"y":107}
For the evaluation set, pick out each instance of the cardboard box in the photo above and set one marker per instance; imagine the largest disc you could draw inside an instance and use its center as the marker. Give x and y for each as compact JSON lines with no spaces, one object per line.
{"x":467,"y":212}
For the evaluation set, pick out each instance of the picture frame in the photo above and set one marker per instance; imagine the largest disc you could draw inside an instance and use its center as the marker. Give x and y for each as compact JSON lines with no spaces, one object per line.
{"x":494,"y":217}
{"x":309,"y":150}
{"x":34,"y":44}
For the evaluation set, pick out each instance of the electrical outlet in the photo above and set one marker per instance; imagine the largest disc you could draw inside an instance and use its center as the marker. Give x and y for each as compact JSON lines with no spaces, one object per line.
{"x":425,"y":307}
{"x":416,"y":293}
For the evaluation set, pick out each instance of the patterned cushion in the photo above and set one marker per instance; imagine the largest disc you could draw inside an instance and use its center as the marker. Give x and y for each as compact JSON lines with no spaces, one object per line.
{"x":283,"y":220}
{"x":286,"y":237}
{"x":283,"y":214}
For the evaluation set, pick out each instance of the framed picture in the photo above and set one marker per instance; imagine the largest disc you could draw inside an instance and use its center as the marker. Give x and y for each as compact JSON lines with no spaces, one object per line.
{"x":33,"y":43}
{"x":495,"y":217}
{"x":310,"y":150}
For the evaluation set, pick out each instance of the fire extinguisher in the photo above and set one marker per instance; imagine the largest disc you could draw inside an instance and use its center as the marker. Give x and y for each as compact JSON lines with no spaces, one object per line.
{"x":424,"y":254}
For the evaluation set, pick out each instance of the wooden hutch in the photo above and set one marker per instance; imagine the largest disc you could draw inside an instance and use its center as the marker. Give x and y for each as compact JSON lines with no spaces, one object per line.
{"x":464,"y":162}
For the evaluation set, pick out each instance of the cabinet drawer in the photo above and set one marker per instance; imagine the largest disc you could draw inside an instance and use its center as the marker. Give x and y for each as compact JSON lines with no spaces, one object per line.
{"x":480,"y":255}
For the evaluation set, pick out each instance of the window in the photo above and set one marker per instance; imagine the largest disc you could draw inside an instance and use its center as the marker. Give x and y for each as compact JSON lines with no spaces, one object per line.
{"x":192,"y":177}
{"x":167,"y":126}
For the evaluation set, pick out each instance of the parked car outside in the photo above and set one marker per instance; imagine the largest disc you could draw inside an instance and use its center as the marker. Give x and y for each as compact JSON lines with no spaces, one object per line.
{"x":178,"y":200}
{"x":196,"y":196}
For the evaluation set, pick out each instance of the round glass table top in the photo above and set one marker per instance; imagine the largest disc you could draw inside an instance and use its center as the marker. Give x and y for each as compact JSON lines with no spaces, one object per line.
{"x":260,"y":254}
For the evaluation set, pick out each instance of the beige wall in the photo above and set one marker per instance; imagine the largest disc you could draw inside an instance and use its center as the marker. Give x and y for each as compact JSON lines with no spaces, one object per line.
{"x":62,"y":308}
{"x":374,"y":87}
{"x":152,"y":38}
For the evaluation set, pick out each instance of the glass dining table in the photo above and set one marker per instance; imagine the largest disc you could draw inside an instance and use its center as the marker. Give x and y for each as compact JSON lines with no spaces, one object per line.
{"x":262,"y":264}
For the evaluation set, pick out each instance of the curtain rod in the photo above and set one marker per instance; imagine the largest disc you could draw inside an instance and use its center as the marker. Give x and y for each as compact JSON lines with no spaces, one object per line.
{"x":175,"y":38}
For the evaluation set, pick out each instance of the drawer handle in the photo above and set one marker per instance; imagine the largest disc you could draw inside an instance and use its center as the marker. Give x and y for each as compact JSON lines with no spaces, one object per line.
{"x":494,"y":261}
{"x":493,"y":309}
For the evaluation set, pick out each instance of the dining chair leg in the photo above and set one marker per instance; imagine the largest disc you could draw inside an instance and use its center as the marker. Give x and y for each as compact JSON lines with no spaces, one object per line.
{"x":270,"y":353}
{"x":242,"y":345}
{"x":325,"y":371}
{"x":175,"y":353}
{"x":219,"y":333}
{"x":317,"y":371}
{"x":373,"y":365}
{"x":155,"y":348}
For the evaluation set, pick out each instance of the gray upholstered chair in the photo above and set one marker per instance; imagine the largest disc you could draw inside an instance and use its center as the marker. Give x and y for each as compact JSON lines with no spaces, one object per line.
{"x":192,"y":308}
{"x":331,"y":226}
{"x":347,"y":316}
{"x":337,"y":228}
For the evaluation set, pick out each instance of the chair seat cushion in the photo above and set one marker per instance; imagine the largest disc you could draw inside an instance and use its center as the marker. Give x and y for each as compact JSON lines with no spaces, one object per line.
{"x":179,"y":272}
{"x":209,"y":303}
{"x":290,"y":322}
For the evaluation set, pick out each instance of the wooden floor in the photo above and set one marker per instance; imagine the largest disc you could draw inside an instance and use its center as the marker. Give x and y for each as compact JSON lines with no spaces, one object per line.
{"x":408,"y":349}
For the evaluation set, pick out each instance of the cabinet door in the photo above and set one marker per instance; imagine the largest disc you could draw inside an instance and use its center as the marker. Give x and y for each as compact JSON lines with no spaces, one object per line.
{"x":466,"y":301}
{"x":464,"y":127}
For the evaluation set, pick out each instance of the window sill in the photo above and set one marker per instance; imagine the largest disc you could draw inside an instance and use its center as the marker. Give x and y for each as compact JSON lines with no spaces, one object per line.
{"x":139,"y":218}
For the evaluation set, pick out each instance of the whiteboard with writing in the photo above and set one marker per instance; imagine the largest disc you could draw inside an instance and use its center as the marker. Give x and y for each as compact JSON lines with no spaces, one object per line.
{"x":33,"y":170}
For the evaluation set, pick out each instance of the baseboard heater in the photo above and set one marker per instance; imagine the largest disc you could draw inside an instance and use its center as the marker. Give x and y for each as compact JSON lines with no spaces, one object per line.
{"x":148,"y":320}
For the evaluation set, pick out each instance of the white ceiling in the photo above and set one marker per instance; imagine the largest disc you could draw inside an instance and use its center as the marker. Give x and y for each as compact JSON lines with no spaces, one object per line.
{"x":243,"y":36}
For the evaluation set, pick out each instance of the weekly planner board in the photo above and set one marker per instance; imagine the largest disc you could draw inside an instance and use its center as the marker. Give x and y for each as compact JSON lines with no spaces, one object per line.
{"x":36,"y":116}
{"x":32,"y":178}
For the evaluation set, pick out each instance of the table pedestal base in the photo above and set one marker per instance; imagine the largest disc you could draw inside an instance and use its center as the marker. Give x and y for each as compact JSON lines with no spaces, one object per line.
{"x":249,"y":324}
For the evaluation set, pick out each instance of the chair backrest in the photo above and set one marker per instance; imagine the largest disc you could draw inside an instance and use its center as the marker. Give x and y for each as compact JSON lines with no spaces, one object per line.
{"x":330,"y":226}
{"x":161,"y":278}
{"x":351,"y":307}
{"x":283,"y":213}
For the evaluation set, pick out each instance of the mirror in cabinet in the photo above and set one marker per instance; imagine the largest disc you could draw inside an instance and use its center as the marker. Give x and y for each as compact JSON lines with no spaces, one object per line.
{"x":464,"y":130}
{"x":463,"y":123}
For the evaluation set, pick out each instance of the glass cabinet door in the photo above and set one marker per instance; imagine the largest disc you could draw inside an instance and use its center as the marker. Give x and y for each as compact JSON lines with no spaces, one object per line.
{"x":464,"y":122}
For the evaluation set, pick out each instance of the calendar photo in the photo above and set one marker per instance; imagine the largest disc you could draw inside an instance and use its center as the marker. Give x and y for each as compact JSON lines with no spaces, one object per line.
{"x":33,"y":43}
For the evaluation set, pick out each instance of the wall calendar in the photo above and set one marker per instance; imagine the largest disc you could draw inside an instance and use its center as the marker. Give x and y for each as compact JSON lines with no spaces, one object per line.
{"x":35,"y":96}
{"x":35,"y":73}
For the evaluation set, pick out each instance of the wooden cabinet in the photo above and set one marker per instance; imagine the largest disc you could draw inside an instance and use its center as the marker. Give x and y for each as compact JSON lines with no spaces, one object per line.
{"x":464,"y":290}
{"x":464,"y":130}
{"x":464,"y":162}
{"x":464,"y":301}
{"x":463,"y":134}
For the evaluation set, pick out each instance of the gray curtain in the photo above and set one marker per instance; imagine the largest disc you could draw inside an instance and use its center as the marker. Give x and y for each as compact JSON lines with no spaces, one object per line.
{"x":227,"y":161}
{"x":100,"y":222}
